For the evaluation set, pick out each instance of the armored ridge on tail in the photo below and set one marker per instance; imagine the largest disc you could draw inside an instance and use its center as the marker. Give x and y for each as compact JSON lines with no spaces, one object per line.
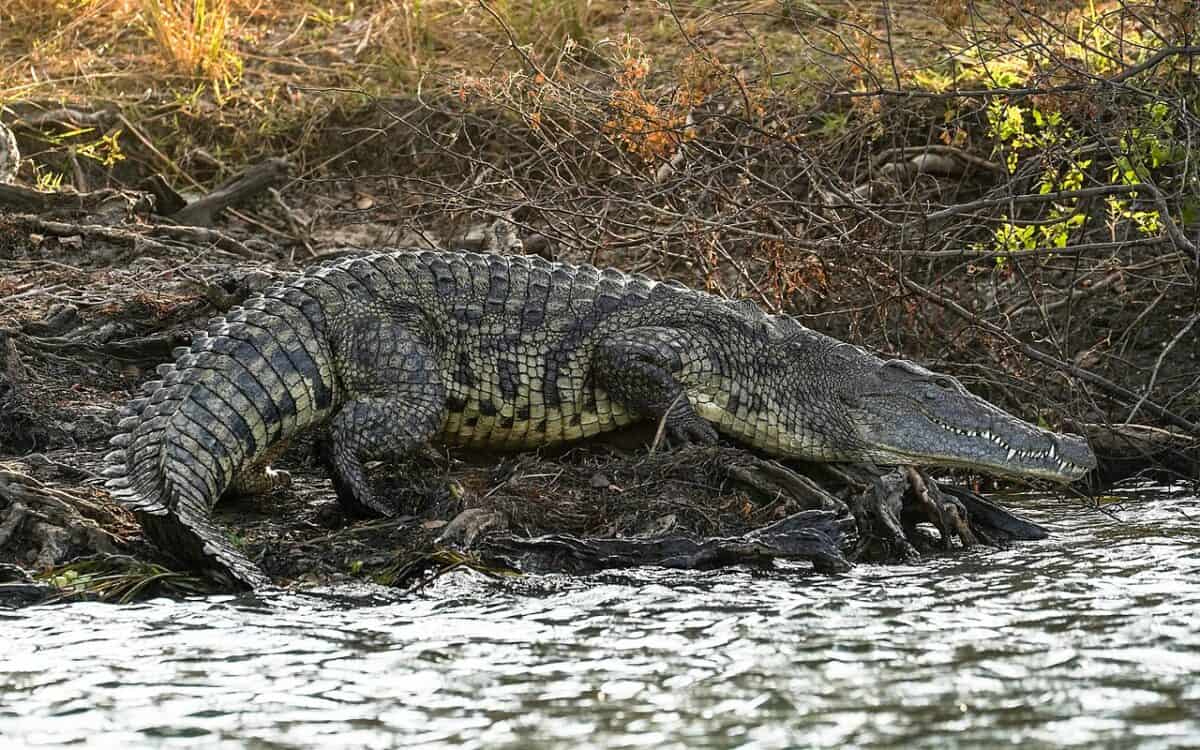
{"x":384,"y":352}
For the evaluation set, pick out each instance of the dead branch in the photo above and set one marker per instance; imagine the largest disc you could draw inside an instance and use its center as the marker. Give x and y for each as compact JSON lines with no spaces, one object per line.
{"x":108,"y":202}
{"x":241,"y":187}
{"x":1037,"y":355}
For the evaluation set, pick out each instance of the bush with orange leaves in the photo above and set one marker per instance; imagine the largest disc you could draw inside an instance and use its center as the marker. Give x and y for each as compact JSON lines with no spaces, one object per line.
{"x":652,"y":130}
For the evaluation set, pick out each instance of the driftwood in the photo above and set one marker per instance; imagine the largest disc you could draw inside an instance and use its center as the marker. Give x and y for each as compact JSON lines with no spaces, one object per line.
{"x":1136,"y":449}
{"x":102,"y":206}
{"x":241,"y":187}
{"x":828,"y":515}
{"x":108,"y":207}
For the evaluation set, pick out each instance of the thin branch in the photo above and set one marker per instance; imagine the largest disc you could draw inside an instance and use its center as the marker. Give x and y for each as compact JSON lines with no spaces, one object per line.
{"x":1158,"y":365}
{"x":1148,"y":63}
{"x":1037,"y":355}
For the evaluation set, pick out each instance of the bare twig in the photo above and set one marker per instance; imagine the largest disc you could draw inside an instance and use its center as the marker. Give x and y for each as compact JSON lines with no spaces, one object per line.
{"x":1158,"y":365}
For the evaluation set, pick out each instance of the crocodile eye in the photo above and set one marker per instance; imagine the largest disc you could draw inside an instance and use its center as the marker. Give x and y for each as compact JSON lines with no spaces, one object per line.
{"x":944,"y":383}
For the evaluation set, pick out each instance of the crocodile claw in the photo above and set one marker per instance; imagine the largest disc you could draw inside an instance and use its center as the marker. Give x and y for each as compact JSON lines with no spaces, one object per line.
{"x":695,"y":431}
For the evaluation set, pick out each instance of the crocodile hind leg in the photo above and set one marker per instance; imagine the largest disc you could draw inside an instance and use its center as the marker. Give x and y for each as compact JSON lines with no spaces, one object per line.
{"x":396,"y":402}
{"x":376,"y":429}
{"x":260,"y":480}
{"x":640,"y":369}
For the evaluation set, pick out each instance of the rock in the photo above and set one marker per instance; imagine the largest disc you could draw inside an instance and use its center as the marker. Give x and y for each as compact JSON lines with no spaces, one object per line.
{"x":10,"y":156}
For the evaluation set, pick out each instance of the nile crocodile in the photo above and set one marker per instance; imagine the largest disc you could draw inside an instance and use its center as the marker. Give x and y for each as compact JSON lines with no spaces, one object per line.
{"x":387,"y":351}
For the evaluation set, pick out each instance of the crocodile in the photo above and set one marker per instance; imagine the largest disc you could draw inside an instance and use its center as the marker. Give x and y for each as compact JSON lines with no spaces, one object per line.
{"x":384,"y":352}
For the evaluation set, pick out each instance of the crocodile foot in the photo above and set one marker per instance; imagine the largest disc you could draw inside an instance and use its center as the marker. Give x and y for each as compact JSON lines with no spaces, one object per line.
{"x":946,"y":513}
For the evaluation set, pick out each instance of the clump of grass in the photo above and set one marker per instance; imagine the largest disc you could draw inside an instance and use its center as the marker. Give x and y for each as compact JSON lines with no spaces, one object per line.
{"x":547,"y":24}
{"x":410,"y":31}
{"x":194,"y":38}
{"x":121,"y":579}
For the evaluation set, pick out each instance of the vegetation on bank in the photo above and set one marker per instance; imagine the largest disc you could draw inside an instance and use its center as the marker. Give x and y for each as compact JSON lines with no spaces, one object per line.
{"x":1005,"y":190}
{"x":852,"y":163}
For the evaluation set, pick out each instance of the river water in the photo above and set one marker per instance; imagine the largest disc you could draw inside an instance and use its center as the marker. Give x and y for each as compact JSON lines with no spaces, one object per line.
{"x":1088,"y":639}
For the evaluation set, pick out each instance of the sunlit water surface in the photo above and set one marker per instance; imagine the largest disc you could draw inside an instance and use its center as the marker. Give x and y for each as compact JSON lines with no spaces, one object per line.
{"x":1089,"y":639}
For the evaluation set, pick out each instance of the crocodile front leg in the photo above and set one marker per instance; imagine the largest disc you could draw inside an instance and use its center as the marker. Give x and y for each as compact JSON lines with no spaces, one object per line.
{"x":640,"y":369}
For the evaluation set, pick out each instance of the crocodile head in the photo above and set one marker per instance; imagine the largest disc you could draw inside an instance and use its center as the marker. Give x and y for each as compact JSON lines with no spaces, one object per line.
{"x":838,"y":402}
{"x":901,"y":413}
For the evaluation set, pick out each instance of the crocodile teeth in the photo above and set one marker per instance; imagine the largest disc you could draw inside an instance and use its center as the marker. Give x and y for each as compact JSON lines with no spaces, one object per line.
{"x":1011,"y":453}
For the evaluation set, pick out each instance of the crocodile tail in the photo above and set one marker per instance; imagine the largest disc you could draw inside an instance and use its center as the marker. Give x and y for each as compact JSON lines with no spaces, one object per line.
{"x":257,"y":377}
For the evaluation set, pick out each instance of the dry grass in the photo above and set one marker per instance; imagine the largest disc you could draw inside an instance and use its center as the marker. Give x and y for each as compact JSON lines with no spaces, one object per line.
{"x":240,"y":79}
{"x":413,"y":36}
{"x":194,"y":38}
{"x":547,"y":24}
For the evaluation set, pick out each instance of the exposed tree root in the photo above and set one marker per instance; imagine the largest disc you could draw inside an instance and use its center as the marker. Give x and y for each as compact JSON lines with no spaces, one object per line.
{"x":42,"y":526}
{"x":835,"y":515}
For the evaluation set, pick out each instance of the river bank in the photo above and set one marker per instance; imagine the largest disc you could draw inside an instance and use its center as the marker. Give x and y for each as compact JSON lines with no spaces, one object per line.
{"x":76,"y":351}
{"x":915,"y":181}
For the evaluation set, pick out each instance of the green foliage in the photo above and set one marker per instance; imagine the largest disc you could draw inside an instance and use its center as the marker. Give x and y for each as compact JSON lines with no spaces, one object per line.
{"x":120,"y":579}
{"x":1010,"y":125}
{"x":1099,"y":43}
{"x":1020,"y":130}
{"x":834,"y":124}
{"x":1010,"y":238}
{"x":330,"y":17}
{"x":104,"y":148}
{"x":1148,"y":145}
{"x":1024,"y":131}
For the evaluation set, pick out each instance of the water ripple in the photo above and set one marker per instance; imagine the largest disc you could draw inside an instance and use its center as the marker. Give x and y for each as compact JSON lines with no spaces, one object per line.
{"x":1090,"y":638}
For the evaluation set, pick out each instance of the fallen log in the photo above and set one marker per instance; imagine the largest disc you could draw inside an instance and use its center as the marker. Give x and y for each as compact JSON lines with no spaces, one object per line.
{"x":242,"y":186}
{"x":812,"y":535}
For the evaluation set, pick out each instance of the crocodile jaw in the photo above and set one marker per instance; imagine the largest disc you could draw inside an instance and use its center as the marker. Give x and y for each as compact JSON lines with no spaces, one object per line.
{"x":1007,"y":447}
